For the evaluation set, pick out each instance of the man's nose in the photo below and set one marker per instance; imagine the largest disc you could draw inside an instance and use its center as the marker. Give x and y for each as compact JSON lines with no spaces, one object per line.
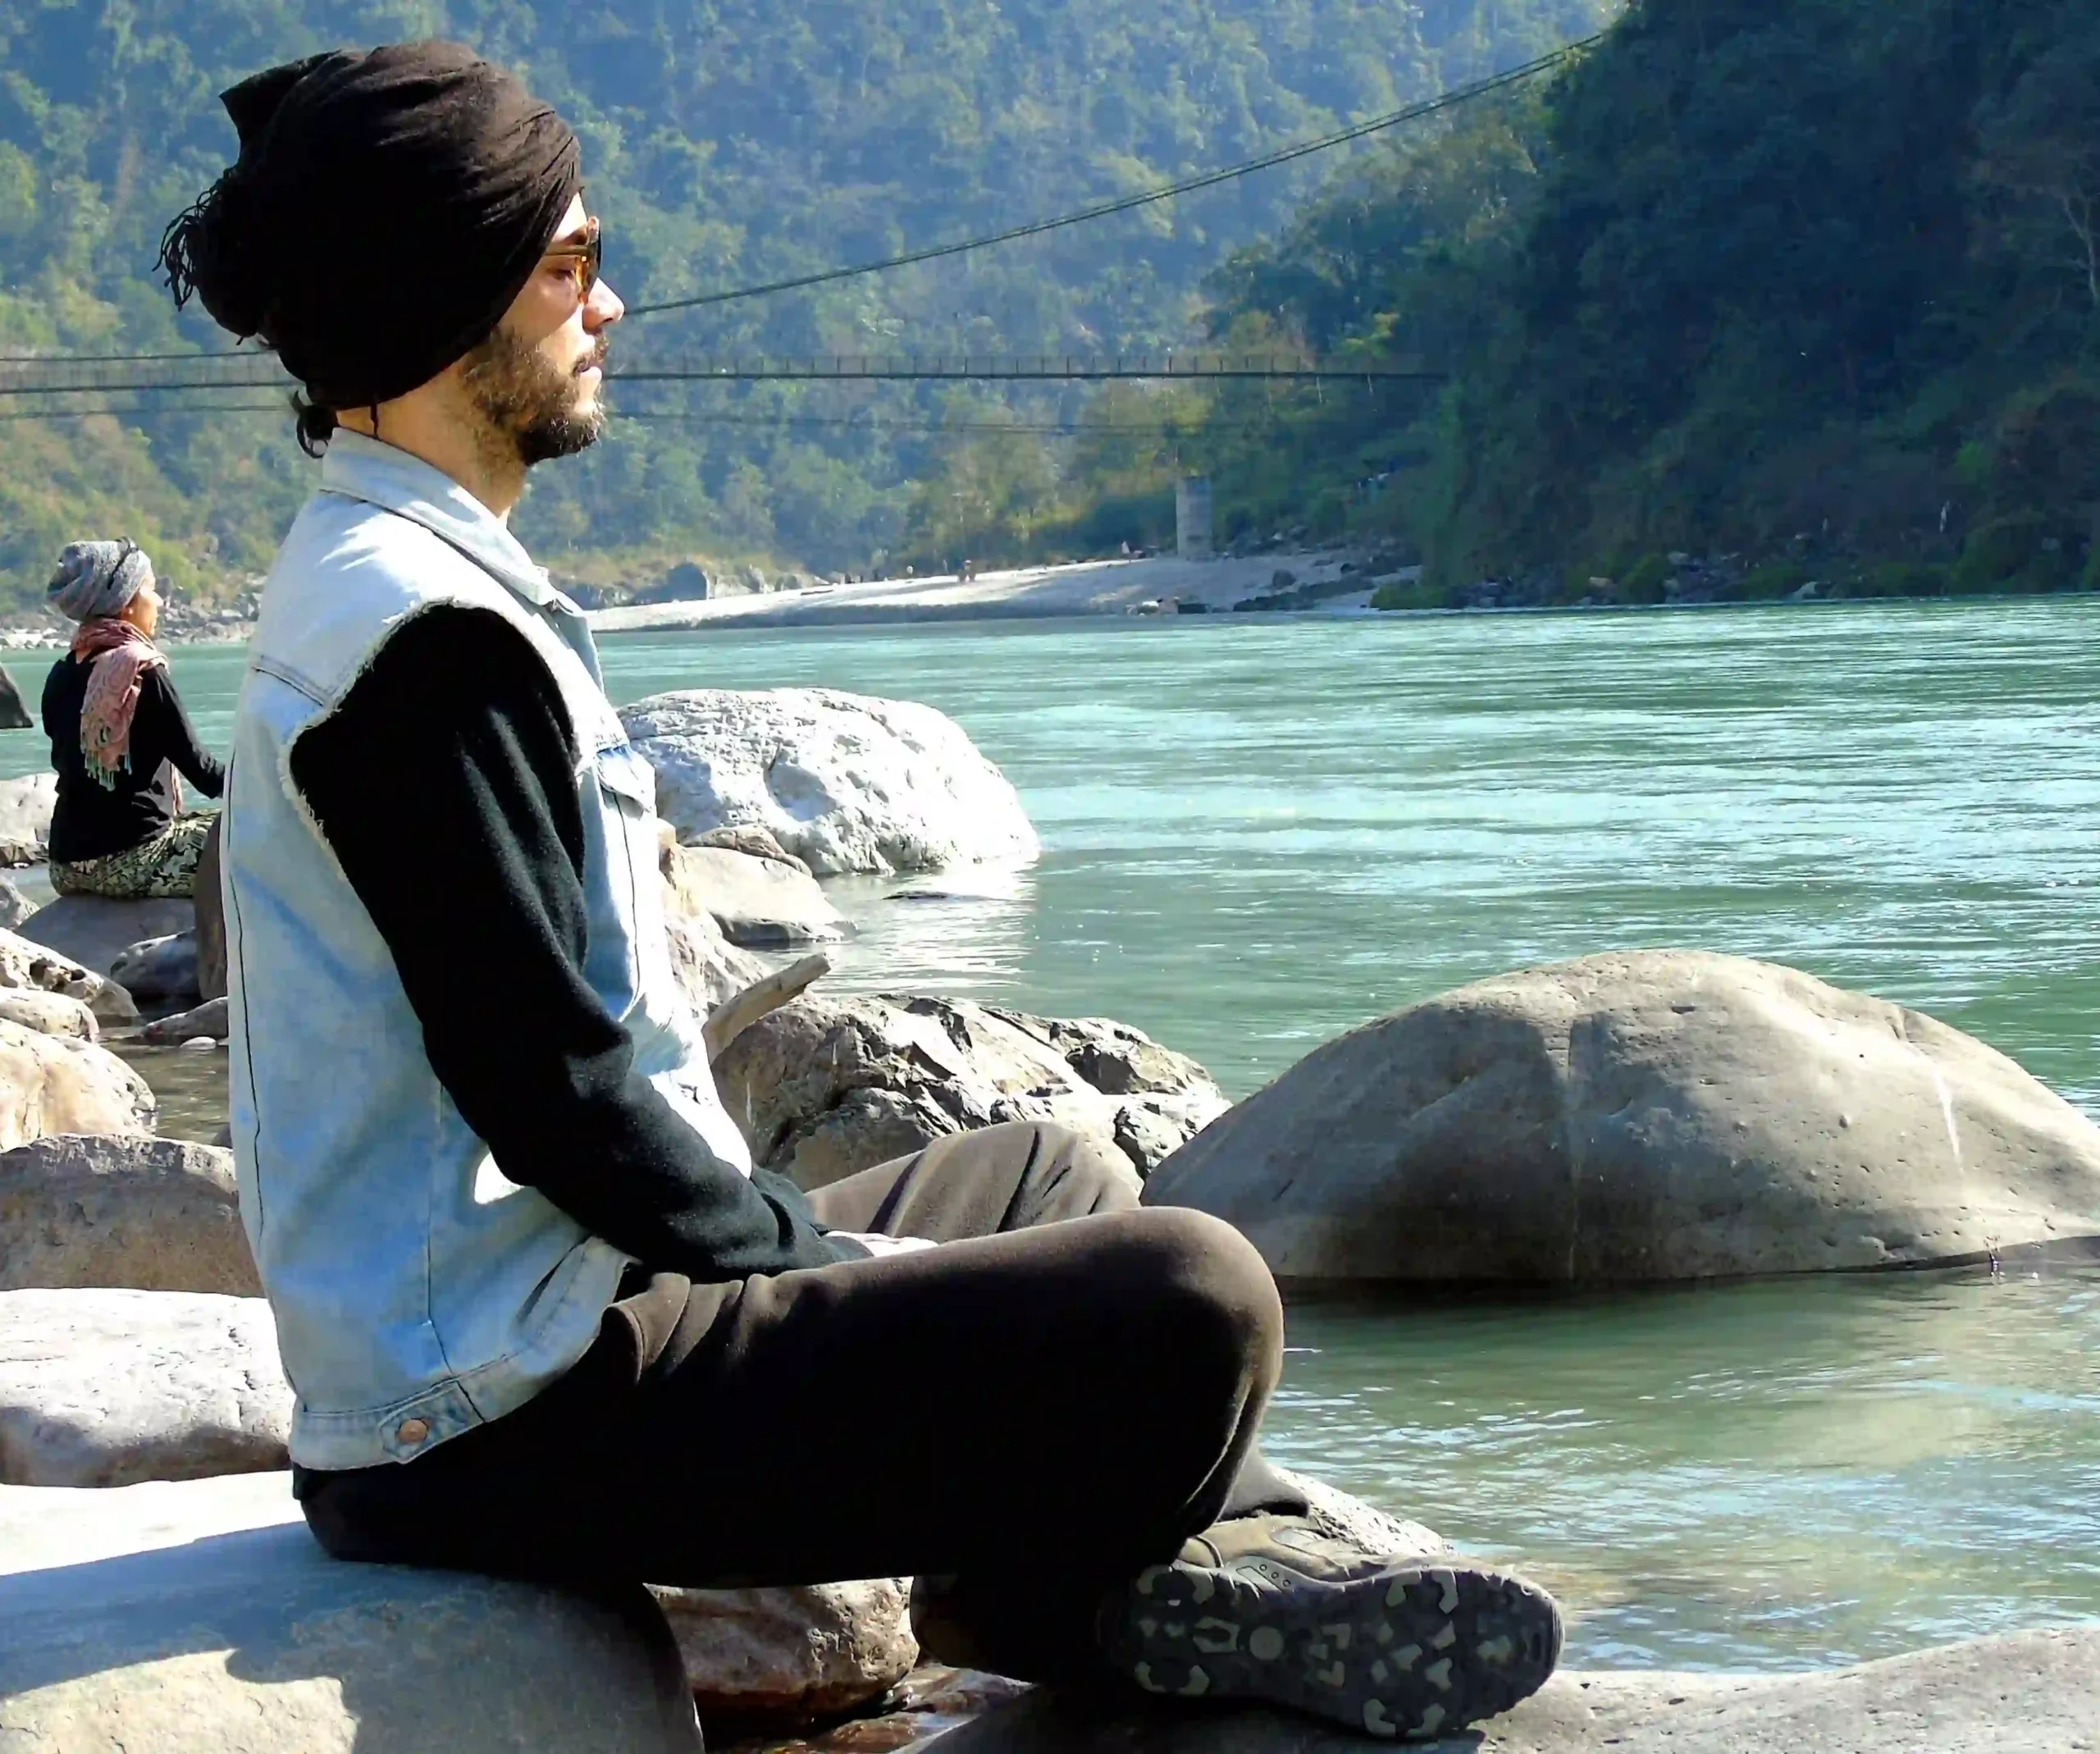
{"x":604,"y":308}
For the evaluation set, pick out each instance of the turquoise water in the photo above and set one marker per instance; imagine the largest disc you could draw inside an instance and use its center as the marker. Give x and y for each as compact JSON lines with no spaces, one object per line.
{"x":1258,"y":836}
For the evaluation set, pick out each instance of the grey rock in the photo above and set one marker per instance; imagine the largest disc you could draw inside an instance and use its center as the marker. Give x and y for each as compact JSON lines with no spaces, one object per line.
{"x":825,"y":1088}
{"x":14,"y":716}
{"x":709,"y":970}
{"x":25,"y":808}
{"x":759,"y":903}
{"x":749,"y":838}
{"x":160,"y":970}
{"x":792,"y":1653}
{"x":845,"y":782}
{"x":1335,"y":1512}
{"x":107,"y":1388}
{"x":27,"y":966}
{"x":15,"y":906}
{"x":2026,"y":1693}
{"x":1656,"y":1115}
{"x":203,"y":1618}
{"x":212,"y":1019}
{"x":79,"y":1210}
{"x":94,"y":930}
{"x":50,"y":1085}
{"x":48,"y":1013}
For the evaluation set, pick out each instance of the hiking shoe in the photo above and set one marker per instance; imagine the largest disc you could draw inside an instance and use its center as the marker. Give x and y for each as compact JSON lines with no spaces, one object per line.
{"x":1266,"y":1608}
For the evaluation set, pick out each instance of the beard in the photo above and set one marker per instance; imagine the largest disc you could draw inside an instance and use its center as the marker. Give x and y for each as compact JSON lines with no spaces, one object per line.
{"x":529,"y":404}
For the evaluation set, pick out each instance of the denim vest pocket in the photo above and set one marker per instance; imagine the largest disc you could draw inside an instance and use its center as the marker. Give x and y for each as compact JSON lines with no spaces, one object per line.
{"x":625,"y":901}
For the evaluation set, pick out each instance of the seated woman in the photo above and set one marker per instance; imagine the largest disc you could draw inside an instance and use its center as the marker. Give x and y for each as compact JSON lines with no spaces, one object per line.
{"x":118,"y":735}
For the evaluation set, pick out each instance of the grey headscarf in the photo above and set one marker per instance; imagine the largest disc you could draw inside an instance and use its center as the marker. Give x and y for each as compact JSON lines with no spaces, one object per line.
{"x":97,"y":579}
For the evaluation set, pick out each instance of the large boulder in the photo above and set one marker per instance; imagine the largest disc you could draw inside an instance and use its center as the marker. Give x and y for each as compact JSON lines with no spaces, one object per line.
{"x":844,"y":782}
{"x":759,"y":903}
{"x":94,"y":930}
{"x":150,"y":1214}
{"x":111,"y":1387}
{"x":15,"y":906}
{"x":203,"y":1618}
{"x":159,"y":971}
{"x":26,"y":809}
{"x":824,"y":1088}
{"x":792,"y":1653}
{"x":2034,"y":1692}
{"x":25,"y":967}
{"x":49,"y":1084}
{"x":1655,"y":1115}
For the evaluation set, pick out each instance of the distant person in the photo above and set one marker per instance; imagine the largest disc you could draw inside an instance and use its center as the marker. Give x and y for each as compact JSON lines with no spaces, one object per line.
{"x":120,"y":737}
{"x":542,"y":1315}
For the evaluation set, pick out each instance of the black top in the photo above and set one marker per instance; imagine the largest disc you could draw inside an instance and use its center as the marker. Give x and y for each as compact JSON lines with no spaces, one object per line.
{"x":444,"y":785}
{"x":91,"y":820}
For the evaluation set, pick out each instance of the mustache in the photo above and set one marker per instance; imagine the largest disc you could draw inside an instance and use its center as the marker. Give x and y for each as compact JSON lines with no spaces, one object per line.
{"x":595,"y":358}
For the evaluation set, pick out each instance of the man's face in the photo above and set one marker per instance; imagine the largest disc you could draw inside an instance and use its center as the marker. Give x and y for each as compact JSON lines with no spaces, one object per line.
{"x":538,"y":382}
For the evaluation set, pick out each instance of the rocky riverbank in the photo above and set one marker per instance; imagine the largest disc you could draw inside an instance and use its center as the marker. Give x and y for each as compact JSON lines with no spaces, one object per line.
{"x":1660,"y":1117}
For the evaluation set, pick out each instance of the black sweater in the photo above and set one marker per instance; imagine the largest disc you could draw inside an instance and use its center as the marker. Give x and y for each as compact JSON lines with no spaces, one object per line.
{"x":445,"y":785}
{"x":91,"y":820}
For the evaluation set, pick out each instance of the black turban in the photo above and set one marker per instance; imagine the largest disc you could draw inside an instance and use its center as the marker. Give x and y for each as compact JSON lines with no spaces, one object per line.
{"x":384,"y":210}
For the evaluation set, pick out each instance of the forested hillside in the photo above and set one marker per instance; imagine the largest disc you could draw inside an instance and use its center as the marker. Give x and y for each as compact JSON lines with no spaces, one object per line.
{"x":1809,"y":289}
{"x":726,"y":140}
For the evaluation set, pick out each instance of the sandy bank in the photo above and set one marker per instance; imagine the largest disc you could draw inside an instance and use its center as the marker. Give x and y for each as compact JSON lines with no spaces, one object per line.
{"x":1092,"y":588}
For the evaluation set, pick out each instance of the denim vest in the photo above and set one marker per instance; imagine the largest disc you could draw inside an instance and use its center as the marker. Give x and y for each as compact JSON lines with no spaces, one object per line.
{"x":416,"y":1291}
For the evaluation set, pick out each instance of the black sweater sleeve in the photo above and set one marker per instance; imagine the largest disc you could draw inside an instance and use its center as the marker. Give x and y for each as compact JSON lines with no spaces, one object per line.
{"x":445,"y":785}
{"x":161,"y":730}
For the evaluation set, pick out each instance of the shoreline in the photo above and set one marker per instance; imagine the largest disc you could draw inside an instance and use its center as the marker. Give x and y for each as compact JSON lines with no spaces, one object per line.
{"x":1147,"y":589}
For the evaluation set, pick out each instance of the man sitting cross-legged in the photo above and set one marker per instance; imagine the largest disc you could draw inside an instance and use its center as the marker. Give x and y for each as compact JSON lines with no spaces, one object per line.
{"x":542,"y":1316}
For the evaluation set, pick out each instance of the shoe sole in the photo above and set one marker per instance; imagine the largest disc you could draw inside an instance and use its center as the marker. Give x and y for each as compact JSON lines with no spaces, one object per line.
{"x":1409,"y":1653}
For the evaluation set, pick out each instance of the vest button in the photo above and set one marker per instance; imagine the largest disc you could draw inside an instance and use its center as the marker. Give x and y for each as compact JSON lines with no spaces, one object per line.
{"x":413,"y":1430}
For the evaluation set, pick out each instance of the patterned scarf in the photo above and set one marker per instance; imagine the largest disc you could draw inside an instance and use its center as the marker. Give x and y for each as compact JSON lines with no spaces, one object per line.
{"x":121,"y":656}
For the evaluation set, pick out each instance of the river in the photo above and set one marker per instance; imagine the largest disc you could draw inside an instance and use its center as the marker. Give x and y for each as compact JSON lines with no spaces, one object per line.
{"x":1261,"y":832}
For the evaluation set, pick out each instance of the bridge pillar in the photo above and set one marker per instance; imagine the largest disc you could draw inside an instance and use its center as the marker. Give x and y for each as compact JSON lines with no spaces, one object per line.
{"x":1192,"y":518}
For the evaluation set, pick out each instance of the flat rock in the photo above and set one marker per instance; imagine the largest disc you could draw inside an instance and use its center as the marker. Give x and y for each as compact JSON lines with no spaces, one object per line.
{"x":203,"y":1619}
{"x":846,"y":782}
{"x":25,"y":808}
{"x":824,"y":1088}
{"x":1657,"y":1115}
{"x":48,"y":1013}
{"x":793,"y":1653}
{"x":759,"y":903}
{"x":100,"y":1388}
{"x":50,"y":1085}
{"x":95,"y":930}
{"x":213,"y":1018}
{"x":26,"y":966}
{"x":2026,"y":1693}
{"x":759,"y":843}
{"x":147,"y":1214}
{"x":159,"y":971}
{"x":1335,"y":1512}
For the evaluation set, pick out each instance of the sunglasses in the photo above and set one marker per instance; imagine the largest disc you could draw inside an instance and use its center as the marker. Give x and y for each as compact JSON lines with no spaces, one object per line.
{"x":582,"y":260}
